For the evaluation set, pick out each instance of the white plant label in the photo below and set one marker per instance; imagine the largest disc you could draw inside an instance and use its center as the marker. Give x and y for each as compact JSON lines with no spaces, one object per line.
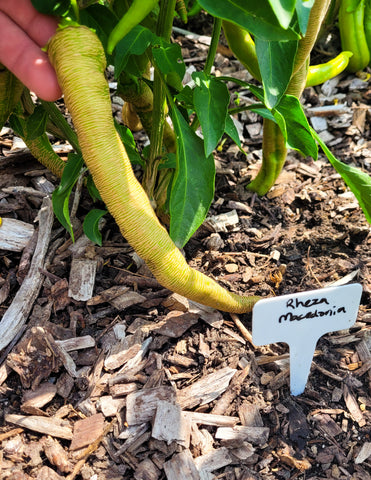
{"x":300,"y":319}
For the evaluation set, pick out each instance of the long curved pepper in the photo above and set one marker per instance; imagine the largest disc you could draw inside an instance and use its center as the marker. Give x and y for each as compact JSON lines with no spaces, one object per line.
{"x":79,"y":61}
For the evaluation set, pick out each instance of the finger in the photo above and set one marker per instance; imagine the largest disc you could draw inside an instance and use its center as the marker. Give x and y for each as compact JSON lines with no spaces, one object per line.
{"x":25,"y":59}
{"x":37,"y":26}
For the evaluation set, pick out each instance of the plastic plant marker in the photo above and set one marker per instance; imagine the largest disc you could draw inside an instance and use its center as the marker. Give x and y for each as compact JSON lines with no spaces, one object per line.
{"x":300,"y":319}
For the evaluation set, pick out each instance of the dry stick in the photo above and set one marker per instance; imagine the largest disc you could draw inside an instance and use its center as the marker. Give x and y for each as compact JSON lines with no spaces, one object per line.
{"x":245,"y":333}
{"x":11,"y":433}
{"x":24,"y":263}
{"x":88,"y":451}
{"x":232,"y":391}
{"x":16,"y":315}
{"x":309,"y":267}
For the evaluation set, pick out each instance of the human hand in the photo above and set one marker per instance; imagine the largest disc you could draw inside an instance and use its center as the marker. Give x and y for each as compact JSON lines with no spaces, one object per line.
{"x":23,"y":32}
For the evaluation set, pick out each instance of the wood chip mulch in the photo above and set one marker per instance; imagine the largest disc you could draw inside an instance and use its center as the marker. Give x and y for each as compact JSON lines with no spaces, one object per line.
{"x":106,"y":375}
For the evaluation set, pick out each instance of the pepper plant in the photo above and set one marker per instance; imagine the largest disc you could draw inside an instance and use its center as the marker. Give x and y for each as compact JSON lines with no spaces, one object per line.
{"x":178,"y":171}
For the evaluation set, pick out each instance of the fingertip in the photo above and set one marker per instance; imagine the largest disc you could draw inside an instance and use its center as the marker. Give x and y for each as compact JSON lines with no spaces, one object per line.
{"x":42,"y":80}
{"x":22,"y":56}
{"x":48,"y":91}
{"x":49,"y":96}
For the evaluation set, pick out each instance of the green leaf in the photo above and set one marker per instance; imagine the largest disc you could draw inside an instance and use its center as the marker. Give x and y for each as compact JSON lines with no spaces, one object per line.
{"x":130,"y":145}
{"x":256,"y":16}
{"x":359,"y":182}
{"x":92,"y":189}
{"x":303,"y":8}
{"x":231,"y":131}
{"x":295,"y":127}
{"x":168,"y":58}
{"x":168,"y":161}
{"x":91,"y":225}
{"x":193,"y":185}
{"x":18,"y":125}
{"x":36,"y":123}
{"x":135,"y":42}
{"x":211,"y":100}
{"x":276,"y":61}
{"x":59,"y":7}
{"x":61,"y":195}
{"x":185,"y":97}
{"x":261,"y":110}
{"x":284,"y":10}
{"x":101,"y":19}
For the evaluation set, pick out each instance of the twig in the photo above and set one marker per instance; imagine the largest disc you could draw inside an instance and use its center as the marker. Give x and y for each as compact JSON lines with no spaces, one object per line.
{"x":232,"y":392}
{"x":244,"y":332}
{"x":16,"y":315}
{"x":87,"y":452}
{"x":309,"y":267}
{"x":26,"y":190}
{"x":11,"y":433}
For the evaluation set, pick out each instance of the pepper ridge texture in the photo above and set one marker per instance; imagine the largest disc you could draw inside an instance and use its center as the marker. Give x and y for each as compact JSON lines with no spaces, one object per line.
{"x":79,"y":61}
{"x":42,"y":150}
{"x":10,"y":93}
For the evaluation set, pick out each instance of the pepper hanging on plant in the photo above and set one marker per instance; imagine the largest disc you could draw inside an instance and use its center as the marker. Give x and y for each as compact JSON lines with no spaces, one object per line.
{"x":137,"y":11}
{"x":352,"y":33}
{"x":77,"y":55}
{"x":243,"y":47}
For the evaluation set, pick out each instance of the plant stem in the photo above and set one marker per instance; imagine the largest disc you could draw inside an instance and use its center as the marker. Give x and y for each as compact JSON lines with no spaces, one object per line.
{"x":164,"y":27}
{"x":75,"y":9}
{"x":213,"y":45}
{"x":217,"y":27}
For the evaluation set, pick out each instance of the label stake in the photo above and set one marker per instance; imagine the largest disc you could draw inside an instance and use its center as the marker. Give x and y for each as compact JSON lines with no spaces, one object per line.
{"x":300,"y":320}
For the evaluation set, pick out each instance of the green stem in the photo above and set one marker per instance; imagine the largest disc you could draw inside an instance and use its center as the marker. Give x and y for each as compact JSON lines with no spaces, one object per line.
{"x":164,"y":28}
{"x":244,"y":108}
{"x":76,"y":10}
{"x":213,"y":45}
{"x":217,"y":27}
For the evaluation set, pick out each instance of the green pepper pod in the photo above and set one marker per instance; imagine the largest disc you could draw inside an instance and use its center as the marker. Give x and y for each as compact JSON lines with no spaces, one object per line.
{"x":318,"y":74}
{"x":243,"y":47}
{"x":42,"y":150}
{"x":352,"y":33}
{"x":274,"y":157}
{"x":137,"y":12}
{"x":181,"y":10}
{"x":367,"y":24}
